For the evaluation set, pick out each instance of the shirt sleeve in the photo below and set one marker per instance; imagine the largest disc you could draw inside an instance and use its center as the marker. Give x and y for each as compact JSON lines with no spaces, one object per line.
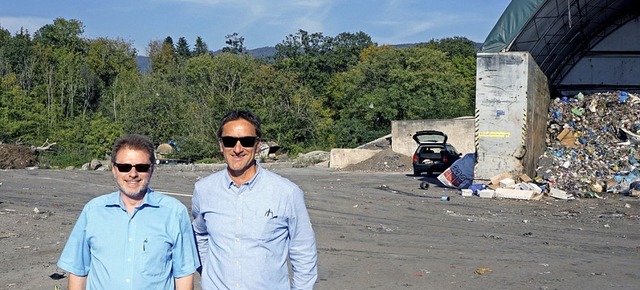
{"x":199,"y":227}
{"x":76,"y":255}
{"x":185,"y":254}
{"x":302,"y":250}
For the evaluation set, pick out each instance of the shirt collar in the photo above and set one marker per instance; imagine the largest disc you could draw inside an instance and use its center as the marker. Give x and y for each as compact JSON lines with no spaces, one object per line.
{"x":229,"y":183}
{"x":149,"y":199}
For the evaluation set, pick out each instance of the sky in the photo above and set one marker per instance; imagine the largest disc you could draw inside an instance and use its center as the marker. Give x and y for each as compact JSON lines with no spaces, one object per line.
{"x":260,"y":22}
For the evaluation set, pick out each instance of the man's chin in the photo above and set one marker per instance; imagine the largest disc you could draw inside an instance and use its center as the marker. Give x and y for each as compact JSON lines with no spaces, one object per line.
{"x":134,"y":194}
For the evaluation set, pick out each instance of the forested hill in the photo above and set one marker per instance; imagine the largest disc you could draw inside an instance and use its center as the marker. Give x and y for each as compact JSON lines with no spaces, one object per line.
{"x":267,"y":52}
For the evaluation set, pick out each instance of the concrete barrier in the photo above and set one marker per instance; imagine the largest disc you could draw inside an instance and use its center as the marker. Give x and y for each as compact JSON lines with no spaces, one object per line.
{"x":341,"y":158}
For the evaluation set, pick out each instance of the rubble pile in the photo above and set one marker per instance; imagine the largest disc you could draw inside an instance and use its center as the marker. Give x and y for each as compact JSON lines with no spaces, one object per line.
{"x":593,"y":144}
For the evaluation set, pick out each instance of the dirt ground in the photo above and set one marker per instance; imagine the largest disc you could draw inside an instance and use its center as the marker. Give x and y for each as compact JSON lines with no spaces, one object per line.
{"x":16,"y":156}
{"x":375,"y":230}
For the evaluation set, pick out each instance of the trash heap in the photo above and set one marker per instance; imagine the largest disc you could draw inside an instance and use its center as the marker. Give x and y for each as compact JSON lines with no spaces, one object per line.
{"x":593,"y":145}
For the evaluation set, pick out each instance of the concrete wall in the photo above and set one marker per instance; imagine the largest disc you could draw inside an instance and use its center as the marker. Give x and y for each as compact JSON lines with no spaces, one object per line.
{"x":460,"y":132}
{"x":512,"y":100}
{"x":341,"y":158}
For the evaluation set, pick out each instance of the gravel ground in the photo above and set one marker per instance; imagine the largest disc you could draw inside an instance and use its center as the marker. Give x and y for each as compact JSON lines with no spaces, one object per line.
{"x":375,"y":230}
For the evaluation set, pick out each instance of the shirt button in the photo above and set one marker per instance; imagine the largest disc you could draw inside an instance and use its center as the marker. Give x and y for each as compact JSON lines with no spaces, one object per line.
{"x":127,"y":280}
{"x":130,"y":239}
{"x":129,"y":260}
{"x":237,"y":240}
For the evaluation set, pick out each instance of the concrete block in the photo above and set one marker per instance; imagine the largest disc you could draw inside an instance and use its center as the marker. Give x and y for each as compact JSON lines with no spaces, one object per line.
{"x":487,"y":193}
{"x":514,"y":193}
{"x":507,"y":183}
{"x":536,"y":189}
{"x":341,"y":158}
{"x":466,"y":192}
{"x":558,"y":193}
{"x":512,"y":103}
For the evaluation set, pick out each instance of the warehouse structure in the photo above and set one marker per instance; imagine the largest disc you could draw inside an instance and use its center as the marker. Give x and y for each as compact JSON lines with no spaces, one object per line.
{"x":543,"y":49}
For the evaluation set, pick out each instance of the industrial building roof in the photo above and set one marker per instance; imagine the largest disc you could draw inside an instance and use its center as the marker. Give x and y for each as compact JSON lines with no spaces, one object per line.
{"x":560,"y":34}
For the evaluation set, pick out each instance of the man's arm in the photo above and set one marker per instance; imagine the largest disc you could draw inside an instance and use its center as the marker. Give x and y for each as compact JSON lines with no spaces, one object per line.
{"x":199,"y":229}
{"x":182,"y":283}
{"x":77,"y":282}
{"x":302,"y":248}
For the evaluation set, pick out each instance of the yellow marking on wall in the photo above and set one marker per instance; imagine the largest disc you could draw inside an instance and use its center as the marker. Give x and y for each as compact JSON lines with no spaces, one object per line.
{"x":494,"y":134}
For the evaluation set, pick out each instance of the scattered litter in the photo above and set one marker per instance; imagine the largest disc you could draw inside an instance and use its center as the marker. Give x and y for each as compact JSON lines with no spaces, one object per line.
{"x":482,"y":271}
{"x":8,"y":235}
{"x":591,"y":144}
{"x":591,"y":149}
{"x":493,"y":237}
{"x":460,"y":173}
{"x":56,"y":276}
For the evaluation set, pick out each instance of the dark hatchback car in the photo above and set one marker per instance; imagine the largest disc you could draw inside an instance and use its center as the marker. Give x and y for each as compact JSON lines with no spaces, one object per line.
{"x":433,"y":154}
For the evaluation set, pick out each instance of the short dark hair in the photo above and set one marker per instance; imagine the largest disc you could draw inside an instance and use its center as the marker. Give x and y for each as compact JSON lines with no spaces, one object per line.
{"x":135,"y":142}
{"x":241,"y":114}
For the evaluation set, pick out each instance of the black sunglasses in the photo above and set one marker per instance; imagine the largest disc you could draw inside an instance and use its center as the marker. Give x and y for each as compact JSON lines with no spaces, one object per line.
{"x":248,"y":141}
{"x":125,"y":167}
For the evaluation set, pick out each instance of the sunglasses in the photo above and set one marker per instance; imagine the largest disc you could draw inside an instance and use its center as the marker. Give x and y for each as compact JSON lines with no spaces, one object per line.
{"x":125,"y":167}
{"x":247,"y":141}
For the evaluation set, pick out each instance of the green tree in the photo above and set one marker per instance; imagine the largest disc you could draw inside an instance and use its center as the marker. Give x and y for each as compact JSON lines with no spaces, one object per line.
{"x":394,"y":84}
{"x":235,"y":44}
{"x":315,"y":58}
{"x":16,"y":56}
{"x":163,"y":57}
{"x":182,"y":49}
{"x":62,"y":34}
{"x":454,"y":46}
{"x":200,"y":47}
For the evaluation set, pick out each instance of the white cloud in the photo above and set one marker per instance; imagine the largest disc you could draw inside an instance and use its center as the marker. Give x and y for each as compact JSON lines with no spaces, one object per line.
{"x":31,"y":24}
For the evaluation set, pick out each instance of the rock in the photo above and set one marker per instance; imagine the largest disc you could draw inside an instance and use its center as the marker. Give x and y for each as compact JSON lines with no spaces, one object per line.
{"x":95,"y":164}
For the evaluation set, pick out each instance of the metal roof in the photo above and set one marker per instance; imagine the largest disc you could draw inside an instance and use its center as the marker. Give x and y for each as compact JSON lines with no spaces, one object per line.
{"x":560,"y":33}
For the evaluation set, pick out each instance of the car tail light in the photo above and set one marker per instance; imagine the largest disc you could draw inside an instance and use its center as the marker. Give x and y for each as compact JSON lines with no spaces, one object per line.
{"x":415,"y":158}
{"x":445,"y":159}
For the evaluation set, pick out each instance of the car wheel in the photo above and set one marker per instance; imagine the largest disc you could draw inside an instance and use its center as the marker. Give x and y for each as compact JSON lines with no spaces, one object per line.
{"x":416,"y":173}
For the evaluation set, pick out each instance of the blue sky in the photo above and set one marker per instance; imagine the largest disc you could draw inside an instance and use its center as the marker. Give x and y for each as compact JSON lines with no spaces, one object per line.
{"x":260,"y":22}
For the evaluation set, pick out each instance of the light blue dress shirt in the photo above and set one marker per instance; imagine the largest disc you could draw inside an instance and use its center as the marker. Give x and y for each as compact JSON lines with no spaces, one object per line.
{"x":245,"y":234}
{"x":144,"y":250}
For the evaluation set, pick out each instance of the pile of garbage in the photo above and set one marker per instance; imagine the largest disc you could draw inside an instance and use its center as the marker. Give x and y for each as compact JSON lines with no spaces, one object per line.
{"x":593,"y":144}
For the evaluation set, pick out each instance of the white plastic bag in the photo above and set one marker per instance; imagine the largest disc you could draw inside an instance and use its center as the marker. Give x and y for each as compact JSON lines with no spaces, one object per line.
{"x":460,"y":174}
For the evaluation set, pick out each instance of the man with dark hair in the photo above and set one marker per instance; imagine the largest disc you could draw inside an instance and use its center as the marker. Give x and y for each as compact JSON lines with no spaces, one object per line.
{"x":249,"y":221}
{"x":134,"y":238}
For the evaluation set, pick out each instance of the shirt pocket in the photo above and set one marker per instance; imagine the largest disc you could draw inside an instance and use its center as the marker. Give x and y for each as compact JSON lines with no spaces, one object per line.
{"x":273,"y":228}
{"x":156,"y":254}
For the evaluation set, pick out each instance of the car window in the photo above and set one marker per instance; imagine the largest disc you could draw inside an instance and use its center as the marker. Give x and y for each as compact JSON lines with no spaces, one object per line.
{"x":452,"y":149}
{"x":431,"y":150}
